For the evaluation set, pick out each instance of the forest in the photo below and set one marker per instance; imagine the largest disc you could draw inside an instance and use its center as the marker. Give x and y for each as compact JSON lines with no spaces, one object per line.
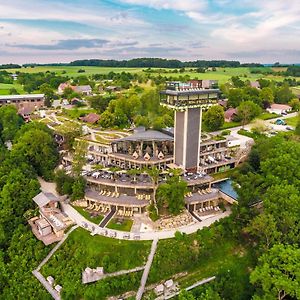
{"x":20,"y":251}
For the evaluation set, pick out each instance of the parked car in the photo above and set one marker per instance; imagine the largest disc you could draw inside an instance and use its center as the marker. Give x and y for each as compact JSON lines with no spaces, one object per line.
{"x":288,"y":128}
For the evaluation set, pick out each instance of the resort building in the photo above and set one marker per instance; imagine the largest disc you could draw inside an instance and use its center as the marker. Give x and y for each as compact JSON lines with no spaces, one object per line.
{"x":119,"y":165}
{"x":49,"y":226}
{"x":30,"y":101}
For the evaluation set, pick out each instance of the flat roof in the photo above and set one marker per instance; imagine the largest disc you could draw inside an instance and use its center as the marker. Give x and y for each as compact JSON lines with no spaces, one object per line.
{"x":122,"y":200}
{"x":43,"y":199}
{"x":27,"y":96}
{"x":147,"y":135}
{"x":190,"y":92}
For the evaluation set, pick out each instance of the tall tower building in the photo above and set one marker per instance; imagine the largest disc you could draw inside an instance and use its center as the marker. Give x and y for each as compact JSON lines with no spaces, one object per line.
{"x":188,"y":104}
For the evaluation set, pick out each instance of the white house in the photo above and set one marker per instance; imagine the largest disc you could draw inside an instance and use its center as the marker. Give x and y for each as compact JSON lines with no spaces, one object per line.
{"x":279,"y":108}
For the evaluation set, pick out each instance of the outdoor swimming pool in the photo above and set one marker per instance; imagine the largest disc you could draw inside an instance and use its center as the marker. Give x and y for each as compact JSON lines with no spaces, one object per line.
{"x":226,"y":187}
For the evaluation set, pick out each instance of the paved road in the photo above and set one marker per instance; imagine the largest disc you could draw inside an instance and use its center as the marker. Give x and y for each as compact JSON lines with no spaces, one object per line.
{"x":267,"y":122}
{"x":141,"y":289}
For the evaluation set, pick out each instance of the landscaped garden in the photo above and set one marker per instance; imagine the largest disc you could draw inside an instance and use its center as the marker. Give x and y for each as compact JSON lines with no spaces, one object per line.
{"x":82,"y":250}
{"x":120,"y":224}
{"x":93,"y":218}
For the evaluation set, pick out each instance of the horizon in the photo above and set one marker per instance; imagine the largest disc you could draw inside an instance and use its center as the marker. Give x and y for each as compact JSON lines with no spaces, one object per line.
{"x":44,"y":32}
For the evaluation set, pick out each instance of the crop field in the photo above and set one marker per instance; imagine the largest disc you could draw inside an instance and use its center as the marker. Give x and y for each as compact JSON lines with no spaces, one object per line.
{"x":221,"y":74}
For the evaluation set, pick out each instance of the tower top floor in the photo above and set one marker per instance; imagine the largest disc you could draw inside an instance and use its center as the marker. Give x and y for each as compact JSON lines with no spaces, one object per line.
{"x":180,"y":96}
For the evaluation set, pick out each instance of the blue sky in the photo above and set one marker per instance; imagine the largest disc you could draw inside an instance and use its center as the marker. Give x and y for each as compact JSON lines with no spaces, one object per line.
{"x":61,"y":31}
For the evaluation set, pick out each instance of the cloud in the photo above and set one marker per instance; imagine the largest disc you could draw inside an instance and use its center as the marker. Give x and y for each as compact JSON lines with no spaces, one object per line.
{"x":71,"y":44}
{"x":179,"y":5}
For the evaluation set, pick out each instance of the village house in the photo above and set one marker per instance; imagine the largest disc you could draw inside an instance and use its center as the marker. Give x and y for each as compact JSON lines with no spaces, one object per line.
{"x":91,"y":118}
{"x":279,"y":109}
{"x":85,"y":90}
{"x":255,"y":84}
{"x":229,"y":114}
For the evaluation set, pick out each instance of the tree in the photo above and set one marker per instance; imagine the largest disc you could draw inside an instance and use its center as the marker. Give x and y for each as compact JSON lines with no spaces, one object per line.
{"x":266,"y":96}
{"x":34,"y":146}
{"x":78,"y":188}
{"x":106,"y":120}
{"x":13,"y":91}
{"x":10,"y":122}
{"x":49,"y":93}
{"x":247,"y":111}
{"x":172,"y":194}
{"x":283,"y":94}
{"x":235,"y":97}
{"x":214,"y":118}
{"x":154,"y":174}
{"x":295,"y":104}
{"x":278,"y":273}
{"x":264,"y":229}
{"x":237,"y":82}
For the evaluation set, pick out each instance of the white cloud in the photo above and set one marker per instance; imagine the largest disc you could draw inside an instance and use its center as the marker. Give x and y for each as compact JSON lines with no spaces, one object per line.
{"x":180,"y":5}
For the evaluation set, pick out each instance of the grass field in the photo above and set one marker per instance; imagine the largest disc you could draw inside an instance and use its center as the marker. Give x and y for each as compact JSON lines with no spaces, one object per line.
{"x":292,"y":121}
{"x":123,"y":225}
{"x":4,"y":88}
{"x":221,"y":74}
{"x":82,"y":250}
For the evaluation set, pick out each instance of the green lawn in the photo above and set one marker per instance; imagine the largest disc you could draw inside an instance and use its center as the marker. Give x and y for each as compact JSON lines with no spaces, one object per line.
{"x":267,"y":116}
{"x":227,"y":125}
{"x":292,"y":121}
{"x":82,"y":250}
{"x":4,"y":88}
{"x":120,"y":224}
{"x":87,"y":215}
{"x":77,"y":112}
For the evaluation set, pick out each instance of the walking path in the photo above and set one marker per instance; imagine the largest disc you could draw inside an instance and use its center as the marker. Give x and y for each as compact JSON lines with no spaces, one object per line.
{"x":40,"y":277}
{"x":55,"y":248}
{"x":191,"y":287}
{"x":46,"y":284}
{"x":147,"y":270}
{"x":118,"y":273}
{"x":107,"y":218}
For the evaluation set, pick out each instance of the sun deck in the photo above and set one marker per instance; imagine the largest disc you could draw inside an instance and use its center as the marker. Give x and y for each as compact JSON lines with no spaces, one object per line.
{"x":122,"y":200}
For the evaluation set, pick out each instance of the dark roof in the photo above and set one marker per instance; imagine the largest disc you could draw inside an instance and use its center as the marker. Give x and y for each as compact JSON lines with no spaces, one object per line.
{"x":91,"y":118}
{"x":148,"y":135}
{"x":230,"y":112}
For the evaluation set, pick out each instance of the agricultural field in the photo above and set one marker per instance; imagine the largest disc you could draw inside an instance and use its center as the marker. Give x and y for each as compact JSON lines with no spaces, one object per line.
{"x":221,"y":74}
